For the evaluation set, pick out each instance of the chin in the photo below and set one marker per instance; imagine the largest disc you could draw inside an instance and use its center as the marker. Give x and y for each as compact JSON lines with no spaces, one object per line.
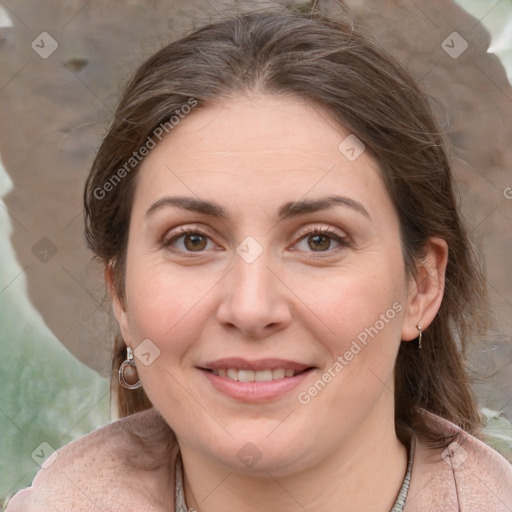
{"x":281,"y":456}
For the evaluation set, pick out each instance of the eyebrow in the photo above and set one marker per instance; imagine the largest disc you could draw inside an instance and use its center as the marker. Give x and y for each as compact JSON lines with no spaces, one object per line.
{"x":286,"y":211}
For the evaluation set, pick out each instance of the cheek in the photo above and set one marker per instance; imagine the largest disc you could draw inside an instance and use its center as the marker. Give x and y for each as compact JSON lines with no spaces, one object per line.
{"x":165,"y":304}
{"x":358,"y":315}
{"x":359,"y":320}
{"x":356,"y":303}
{"x":170,"y":309}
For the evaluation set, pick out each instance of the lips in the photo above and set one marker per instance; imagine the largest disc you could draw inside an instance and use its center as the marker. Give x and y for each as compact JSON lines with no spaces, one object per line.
{"x":256,"y":380}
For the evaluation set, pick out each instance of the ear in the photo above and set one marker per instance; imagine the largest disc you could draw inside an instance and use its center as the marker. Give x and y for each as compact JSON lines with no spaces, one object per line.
{"x":426,"y":289}
{"x":118,"y":304}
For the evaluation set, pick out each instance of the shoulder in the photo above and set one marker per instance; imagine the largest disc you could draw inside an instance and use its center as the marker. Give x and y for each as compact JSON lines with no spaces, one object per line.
{"x":126,"y":465}
{"x":465,"y":475}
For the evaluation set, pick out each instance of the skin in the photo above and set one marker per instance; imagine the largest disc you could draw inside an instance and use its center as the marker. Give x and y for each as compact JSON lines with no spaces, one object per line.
{"x":251,"y":154}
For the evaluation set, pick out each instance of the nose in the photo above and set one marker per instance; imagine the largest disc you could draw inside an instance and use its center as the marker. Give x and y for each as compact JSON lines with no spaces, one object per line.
{"x":254,"y":299}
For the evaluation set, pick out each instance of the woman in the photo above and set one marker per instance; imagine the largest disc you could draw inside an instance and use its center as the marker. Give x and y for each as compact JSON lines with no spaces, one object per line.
{"x":293,"y":285}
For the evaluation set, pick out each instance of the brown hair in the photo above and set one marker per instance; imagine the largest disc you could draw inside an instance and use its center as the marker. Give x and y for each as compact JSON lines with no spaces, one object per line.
{"x":333,"y":64}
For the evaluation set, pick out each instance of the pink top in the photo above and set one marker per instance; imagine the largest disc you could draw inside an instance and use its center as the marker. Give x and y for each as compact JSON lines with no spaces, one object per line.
{"x":105,"y":470}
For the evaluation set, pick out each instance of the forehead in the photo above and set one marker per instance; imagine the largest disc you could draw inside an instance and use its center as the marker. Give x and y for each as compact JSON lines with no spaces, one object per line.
{"x":264,"y":126}
{"x":260,"y":148}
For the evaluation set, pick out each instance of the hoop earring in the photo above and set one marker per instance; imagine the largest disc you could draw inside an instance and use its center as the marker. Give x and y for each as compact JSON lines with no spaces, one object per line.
{"x":420,"y":336}
{"x":130,"y":380}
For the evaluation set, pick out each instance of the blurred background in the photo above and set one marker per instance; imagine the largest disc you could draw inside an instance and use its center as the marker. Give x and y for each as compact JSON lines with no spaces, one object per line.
{"x":61,"y":69}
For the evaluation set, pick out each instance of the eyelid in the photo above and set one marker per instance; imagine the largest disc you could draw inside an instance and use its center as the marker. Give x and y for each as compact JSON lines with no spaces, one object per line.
{"x":319,"y":228}
{"x":186,"y":229}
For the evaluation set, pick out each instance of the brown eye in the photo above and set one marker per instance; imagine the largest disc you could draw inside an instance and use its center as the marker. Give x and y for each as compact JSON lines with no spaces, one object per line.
{"x":187,"y":240}
{"x":195,"y":242}
{"x":319,"y":242}
{"x":323,"y":240}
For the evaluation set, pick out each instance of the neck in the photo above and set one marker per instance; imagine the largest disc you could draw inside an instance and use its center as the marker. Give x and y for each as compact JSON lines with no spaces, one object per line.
{"x":365,"y":473}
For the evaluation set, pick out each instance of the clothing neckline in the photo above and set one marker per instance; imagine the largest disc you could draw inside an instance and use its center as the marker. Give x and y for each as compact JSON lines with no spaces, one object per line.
{"x":181,"y":506}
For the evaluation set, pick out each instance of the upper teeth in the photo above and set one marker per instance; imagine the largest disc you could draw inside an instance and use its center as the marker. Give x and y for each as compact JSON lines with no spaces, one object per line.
{"x":254,"y":376}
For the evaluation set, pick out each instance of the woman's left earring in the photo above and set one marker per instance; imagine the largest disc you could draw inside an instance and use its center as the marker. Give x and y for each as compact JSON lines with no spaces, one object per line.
{"x":128,"y":375}
{"x":419,"y":336}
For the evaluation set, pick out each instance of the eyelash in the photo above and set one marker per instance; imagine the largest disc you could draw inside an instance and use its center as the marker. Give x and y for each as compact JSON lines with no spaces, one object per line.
{"x":343,"y":241}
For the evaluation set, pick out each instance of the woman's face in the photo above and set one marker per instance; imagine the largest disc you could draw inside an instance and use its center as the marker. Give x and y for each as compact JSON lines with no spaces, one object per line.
{"x":256,"y":182}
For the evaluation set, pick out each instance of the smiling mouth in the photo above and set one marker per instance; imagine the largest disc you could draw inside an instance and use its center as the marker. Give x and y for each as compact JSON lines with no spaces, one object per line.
{"x":266,"y":375}
{"x":255,"y":380}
